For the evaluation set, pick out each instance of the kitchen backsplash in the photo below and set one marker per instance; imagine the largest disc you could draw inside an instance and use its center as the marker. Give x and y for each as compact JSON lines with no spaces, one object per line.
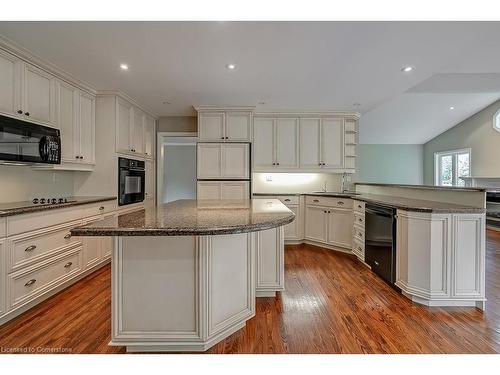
{"x":295,"y":182}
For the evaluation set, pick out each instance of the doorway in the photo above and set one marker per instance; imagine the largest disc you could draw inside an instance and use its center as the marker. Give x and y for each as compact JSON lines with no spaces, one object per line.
{"x":176,"y":174}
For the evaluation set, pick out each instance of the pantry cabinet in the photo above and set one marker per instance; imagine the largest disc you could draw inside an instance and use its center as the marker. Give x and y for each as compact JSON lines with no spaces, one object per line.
{"x":276,"y":143}
{"x":224,"y":125}
{"x":219,"y":160}
{"x":223,"y":190}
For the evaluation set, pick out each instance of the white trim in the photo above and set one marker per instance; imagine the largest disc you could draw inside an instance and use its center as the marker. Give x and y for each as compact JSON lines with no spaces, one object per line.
{"x":160,"y":158}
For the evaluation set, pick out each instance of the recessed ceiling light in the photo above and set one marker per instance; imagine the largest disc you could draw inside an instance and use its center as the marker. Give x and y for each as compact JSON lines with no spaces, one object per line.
{"x":166,"y":102}
{"x":357,"y":105}
{"x":452,"y":108}
{"x":123,"y":66}
{"x":262,"y":103}
{"x":231,"y":66}
{"x":407,"y":69}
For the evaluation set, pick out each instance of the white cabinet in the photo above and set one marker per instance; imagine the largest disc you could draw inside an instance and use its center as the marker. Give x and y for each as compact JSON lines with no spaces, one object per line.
{"x":149,"y":137}
{"x":10,"y":84}
{"x":223,"y":190}
{"x":224,"y":126}
{"x":3,"y":290}
{"x":292,"y":230}
{"x":38,"y":95}
{"x":92,"y":249}
{"x":316,"y":228}
{"x":150,"y":176}
{"x":218,"y":160}
{"x":270,"y":259}
{"x":137,"y":141}
{"x":86,"y":128}
{"x":310,"y":141}
{"x":123,"y":126}
{"x":340,"y":228}
{"x":276,"y":143}
{"x":26,"y":92}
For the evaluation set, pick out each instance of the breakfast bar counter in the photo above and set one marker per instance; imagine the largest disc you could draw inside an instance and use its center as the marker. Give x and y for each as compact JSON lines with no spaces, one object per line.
{"x":185,"y":275}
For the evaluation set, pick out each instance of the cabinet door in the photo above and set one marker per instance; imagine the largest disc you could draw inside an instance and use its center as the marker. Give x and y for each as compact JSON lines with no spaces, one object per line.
{"x":332,"y":143}
{"x":149,"y":137}
{"x":138,"y":131}
{"x":287,"y":155}
{"x":235,"y":190}
{"x":209,"y":160}
{"x":67,"y":120}
{"x":39,"y":95}
{"x":211,"y":126}
{"x":10,"y":84}
{"x":237,"y":128}
{"x":123,"y":126}
{"x":208,"y":190}
{"x":92,"y":250}
{"x":150,"y":176}
{"x":3,"y":259}
{"x":316,"y":223}
{"x":86,"y":125}
{"x":292,"y":229}
{"x":340,"y":228}
{"x":235,"y":160}
{"x":309,"y":147}
{"x":263,"y":143}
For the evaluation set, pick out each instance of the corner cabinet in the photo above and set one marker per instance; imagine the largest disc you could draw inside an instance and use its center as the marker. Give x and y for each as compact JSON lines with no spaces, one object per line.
{"x":305,"y":143}
{"x":224,"y":124}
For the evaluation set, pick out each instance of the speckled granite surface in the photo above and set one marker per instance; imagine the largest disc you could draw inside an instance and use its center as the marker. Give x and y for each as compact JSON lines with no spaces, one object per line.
{"x":18,"y":208}
{"x":408,"y":204}
{"x":190,"y":217}
{"x":432,"y":187}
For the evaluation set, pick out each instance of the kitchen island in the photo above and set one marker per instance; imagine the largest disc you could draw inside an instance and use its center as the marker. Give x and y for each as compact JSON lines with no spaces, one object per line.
{"x":185,"y":275}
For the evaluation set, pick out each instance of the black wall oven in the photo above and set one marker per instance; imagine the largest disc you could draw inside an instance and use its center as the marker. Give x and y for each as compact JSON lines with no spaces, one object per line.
{"x":380,"y":241}
{"x":25,"y":142}
{"x":131,"y":181}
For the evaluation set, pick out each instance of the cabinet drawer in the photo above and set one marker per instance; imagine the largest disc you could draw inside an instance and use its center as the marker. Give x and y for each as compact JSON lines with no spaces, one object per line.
{"x":359,"y":234}
{"x":358,"y":246}
{"x":35,"y":246}
{"x":329,"y":201}
{"x":34,"y":282}
{"x":359,"y":219}
{"x":359,"y":206}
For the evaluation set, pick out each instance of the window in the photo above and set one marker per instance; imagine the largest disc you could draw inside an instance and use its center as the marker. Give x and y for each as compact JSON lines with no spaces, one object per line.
{"x":496,"y":121}
{"x":449,"y":166}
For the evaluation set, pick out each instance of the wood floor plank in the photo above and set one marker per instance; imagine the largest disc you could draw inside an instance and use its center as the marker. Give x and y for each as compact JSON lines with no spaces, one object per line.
{"x":332,"y":304}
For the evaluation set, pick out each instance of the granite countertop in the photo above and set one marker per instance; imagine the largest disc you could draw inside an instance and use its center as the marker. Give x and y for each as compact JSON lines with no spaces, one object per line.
{"x":18,"y":208}
{"x":407,"y":204}
{"x":190,"y":217}
{"x":432,"y":187}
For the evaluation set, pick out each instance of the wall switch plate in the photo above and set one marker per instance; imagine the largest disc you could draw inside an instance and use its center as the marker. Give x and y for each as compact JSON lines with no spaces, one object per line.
{"x":269,"y":178}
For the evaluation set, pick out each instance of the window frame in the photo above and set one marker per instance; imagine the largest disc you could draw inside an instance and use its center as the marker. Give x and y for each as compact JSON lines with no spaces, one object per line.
{"x":496,"y":121}
{"x":454,"y":153}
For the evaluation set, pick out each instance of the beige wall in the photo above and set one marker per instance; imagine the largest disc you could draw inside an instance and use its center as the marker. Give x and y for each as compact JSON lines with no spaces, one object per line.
{"x":177,"y":124}
{"x":21,"y":183}
{"x":476,"y":133}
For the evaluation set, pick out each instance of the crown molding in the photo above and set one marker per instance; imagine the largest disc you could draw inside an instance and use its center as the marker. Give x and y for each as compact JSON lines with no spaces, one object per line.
{"x":22,"y":53}
{"x":128,"y":99}
{"x":306,"y":114}
{"x":209,"y":108}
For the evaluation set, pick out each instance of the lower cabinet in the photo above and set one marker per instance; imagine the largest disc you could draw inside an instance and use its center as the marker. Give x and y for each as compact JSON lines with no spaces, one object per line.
{"x":223,"y":190}
{"x":292,"y":230}
{"x":3,"y":296}
{"x":329,"y":225}
{"x":270,"y":259}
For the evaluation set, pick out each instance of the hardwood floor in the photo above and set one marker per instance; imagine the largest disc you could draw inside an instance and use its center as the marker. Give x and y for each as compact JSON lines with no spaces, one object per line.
{"x":332,"y":304}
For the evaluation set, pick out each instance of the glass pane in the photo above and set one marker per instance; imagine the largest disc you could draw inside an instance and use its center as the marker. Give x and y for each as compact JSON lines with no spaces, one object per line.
{"x":463,"y":168}
{"x":446,"y":170}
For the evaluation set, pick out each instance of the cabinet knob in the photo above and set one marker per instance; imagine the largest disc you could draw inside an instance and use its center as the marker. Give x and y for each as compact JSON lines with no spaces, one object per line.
{"x":277,"y":163}
{"x":27,"y":113}
{"x":359,"y":248}
{"x":67,"y":236}
{"x":359,"y":206}
{"x":360,"y":220}
{"x":227,"y":137}
{"x":30,"y":282}
{"x":221,"y":137}
{"x":20,"y":112}
{"x":325,"y":212}
{"x":316,"y":200}
{"x":287,"y":200}
{"x":69,"y":264}
{"x":340,"y":203}
{"x":30,"y":248}
{"x":101,"y":208}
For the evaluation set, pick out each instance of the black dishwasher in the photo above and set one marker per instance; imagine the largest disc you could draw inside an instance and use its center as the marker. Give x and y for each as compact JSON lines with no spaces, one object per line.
{"x":380,"y":241}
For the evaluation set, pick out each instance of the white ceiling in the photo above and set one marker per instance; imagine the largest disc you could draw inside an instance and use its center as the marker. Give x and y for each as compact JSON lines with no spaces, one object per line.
{"x":287,"y":65}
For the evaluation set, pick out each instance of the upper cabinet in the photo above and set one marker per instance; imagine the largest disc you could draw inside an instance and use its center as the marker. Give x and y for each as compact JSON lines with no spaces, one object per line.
{"x":224,"y":124}
{"x":135,"y":130}
{"x":304,"y":143}
{"x":223,"y":161}
{"x":27,"y":92}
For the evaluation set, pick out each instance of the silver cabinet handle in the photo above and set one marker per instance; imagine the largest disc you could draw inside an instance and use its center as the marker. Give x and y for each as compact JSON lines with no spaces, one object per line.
{"x":287,"y":200}
{"x":67,"y":236}
{"x":376,"y":263}
{"x":101,"y":208}
{"x":360,"y":220}
{"x":340,"y":203}
{"x":30,"y":282}
{"x":315,"y":200}
{"x":67,"y":265}
{"x":359,"y":206}
{"x":30,"y":248}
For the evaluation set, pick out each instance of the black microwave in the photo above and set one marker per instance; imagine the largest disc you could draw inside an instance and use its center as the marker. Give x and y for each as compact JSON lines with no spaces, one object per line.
{"x":25,"y":142}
